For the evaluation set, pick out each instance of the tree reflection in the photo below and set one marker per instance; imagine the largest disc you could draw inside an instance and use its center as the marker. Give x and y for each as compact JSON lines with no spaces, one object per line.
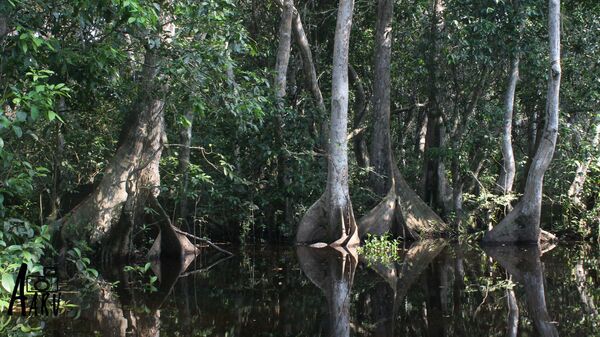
{"x":332,"y":270}
{"x":399,"y":276}
{"x":525,"y":267}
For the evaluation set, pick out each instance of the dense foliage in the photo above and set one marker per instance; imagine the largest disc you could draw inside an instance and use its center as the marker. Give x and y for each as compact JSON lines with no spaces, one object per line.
{"x":69,"y":78}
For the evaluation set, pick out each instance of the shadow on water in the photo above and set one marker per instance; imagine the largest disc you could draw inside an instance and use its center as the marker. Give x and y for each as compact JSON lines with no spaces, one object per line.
{"x":435,"y":289}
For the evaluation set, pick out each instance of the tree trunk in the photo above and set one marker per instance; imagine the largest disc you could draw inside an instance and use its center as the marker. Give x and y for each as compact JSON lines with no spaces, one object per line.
{"x":401,"y":211}
{"x":283,"y":50}
{"x":507,"y":172}
{"x":434,"y":134}
{"x":331,"y":219}
{"x":381,"y":148}
{"x":522,"y":224}
{"x":107,"y":215}
{"x":361,"y":152}
{"x":310,"y":74}
{"x":184,"y":163}
{"x":281,"y":70}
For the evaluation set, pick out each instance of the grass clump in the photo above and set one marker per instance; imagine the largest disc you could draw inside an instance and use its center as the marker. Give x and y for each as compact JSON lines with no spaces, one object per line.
{"x":380,"y":248}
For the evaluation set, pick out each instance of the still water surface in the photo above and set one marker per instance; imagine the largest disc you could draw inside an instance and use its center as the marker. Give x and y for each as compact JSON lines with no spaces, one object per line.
{"x":435,"y":289}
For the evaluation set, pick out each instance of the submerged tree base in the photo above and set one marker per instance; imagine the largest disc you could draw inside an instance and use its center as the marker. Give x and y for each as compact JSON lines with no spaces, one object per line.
{"x":314,"y":228}
{"x":402,"y":213}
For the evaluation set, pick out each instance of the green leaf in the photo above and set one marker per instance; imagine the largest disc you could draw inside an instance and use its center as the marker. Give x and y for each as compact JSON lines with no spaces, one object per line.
{"x":21,"y":116}
{"x":8,"y":283}
{"x":35,"y":112}
{"x":51,"y":115}
{"x":17,"y":131}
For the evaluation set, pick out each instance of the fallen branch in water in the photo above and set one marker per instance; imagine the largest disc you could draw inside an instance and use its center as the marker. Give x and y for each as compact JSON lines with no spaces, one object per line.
{"x":165,"y":216}
{"x":208,"y":242}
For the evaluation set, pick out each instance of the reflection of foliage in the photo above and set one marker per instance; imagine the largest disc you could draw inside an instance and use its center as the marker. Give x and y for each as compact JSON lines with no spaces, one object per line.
{"x":141,"y":278}
{"x":383,"y":249}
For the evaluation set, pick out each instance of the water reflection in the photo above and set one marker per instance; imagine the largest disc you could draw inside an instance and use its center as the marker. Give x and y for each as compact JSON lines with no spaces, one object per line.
{"x":434,"y":289}
{"x":399,"y":276}
{"x":525,"y":267}
{"x":332,"y":270}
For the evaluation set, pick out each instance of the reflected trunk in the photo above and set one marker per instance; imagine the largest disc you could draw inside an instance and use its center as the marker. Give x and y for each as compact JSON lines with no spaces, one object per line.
{"x":525,"y":267}
{"x":332,"y":270}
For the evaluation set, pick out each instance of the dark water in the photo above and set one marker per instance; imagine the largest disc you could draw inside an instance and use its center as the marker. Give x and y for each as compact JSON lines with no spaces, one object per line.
{"x":435,"y":289}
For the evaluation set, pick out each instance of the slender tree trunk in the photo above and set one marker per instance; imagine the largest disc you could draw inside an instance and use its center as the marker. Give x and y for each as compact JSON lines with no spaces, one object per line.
{"x":522,"y":224}
{"x":281,"y":70}
{"x":55,"y":195}
{"x":507,"y":171}
{"x":184,"y":163}
{"x":283,"y":50}
{"x":360,"y":112}
{"x":331,"y":219}
{"x":310,"y":74}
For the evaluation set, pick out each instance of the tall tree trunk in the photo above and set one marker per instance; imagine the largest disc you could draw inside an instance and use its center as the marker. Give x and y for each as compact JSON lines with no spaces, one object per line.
{"x":381,"y":147}
{"x":310,"y":74}
{"x":185,"y":136}
{"x":281,"y":70}
{"x":331,"y":219}
{"x":522,"y":224}
{"x":507,"y":171}
{"x":283,"y":50}
{"x":433,"y":166}
{"x":401,"y":211}
{"x":107,"y":215}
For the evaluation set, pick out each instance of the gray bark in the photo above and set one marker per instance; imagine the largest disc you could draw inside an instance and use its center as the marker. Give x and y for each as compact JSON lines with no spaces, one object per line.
{"x":310,"y":73}
{"x":507,"y":172}
{"x":283,"y":50}
{"x":107,"y":215}
{"x":331,"y":219}
{"x":381,"y":148}
{"x":522,"y":224}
